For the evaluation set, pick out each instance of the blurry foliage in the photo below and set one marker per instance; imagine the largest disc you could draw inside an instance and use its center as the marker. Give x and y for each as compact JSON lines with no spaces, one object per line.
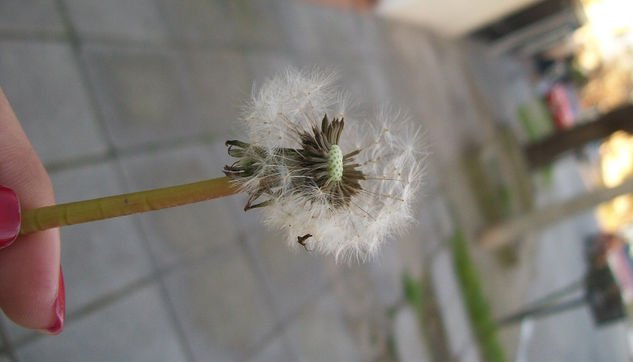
{"x":419,"y":295}
{"x":476,"y":304}
{"x":413,"y":293}
{"x":535,"y":119}
{"x":498,"y":177}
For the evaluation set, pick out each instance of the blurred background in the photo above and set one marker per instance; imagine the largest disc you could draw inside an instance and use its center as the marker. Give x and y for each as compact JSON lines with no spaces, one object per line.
{"x":521,"y":249}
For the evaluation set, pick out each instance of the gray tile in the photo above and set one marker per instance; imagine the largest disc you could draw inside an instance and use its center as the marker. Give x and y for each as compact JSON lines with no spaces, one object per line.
{"x":245,"y":24}
{"x":274,"y":351}
{"x":408,"y":90}
{"x":143,"y":94}
{"x":299,"y":24}
{"x":442,"y":217}
{"x":413,"y":246}
{"x":13,"y":331}
{"x":134,"y":328}
{"x":258,"y":24}
{"x":386,"y":273}
{"x":319,"y":334}
{"x":99,"y":257}
{"x":378,"y":83}
{"x":221,"y":306}
{"x":464,"y":112}
{"x":364,"y":308}
{"x":200,"y":22}
{"x":188,"y":230}
{"x":471,"y":353}
{"x":454,"y":318}
{"x":409,"y":342}
{"x":221,"y":83}
{"x":457,"y":325}
{"x":295,"y":275}
{"x":264,"y":65}
{"x":30,"y":16}
{"x":419,"y":244}
{"x":418,"y":75}
{"x":358,"y":76}
{"x":45,"y":89}
{"x":314,"y":29}
{"x":443,"y":276}
{"x":137,"y":20}
{"x":432,"y":177}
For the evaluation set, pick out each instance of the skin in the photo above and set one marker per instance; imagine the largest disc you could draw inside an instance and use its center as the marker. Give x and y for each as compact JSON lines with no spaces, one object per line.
{"x":29,"y":268}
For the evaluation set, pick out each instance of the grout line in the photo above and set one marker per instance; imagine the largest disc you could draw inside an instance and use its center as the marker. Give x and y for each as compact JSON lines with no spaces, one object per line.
{"x":256,"y":267}
{"x":114,"y":154}
{"x":17,"y":36}
{"x":73,"y":40}
{"x":169,"y":306}
{"x":92,"y":307}
{"x":111,"y":297}
{"x":117,"y":154}
{"x":110,"y":41}
{"x":283,"y":324}
{"x":471,"y":339}
{"x":77,"y":162}
{"x":173,"y":44}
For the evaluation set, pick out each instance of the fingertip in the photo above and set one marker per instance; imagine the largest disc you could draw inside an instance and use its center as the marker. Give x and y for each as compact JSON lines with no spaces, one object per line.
{"x":31,"y":284}
{"x":56,"y":326}
{"x":30,"y":281}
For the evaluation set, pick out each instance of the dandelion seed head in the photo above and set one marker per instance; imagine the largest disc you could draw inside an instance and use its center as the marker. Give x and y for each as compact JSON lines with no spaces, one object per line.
{"x":336,"y":184}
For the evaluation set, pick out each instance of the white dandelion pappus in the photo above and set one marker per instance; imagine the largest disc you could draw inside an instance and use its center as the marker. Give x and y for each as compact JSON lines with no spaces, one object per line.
{"x":335,"y":184}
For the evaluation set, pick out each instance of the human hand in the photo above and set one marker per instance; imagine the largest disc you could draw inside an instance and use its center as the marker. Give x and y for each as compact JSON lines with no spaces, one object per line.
{"x":31,"y":281}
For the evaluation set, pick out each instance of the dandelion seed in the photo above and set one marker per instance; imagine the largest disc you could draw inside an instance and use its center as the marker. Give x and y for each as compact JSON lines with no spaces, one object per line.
{"x":336,"y":184}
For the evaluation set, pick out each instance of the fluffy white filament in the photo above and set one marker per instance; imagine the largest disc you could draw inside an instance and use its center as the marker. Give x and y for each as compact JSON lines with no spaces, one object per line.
{"x":390,"y":158}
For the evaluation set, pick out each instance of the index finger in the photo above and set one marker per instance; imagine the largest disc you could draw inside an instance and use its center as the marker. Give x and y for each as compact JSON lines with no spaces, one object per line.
{"x":30,"y":275}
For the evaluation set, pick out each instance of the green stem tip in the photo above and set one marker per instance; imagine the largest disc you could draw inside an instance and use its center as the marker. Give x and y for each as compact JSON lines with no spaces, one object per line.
{"x":120,"y":205}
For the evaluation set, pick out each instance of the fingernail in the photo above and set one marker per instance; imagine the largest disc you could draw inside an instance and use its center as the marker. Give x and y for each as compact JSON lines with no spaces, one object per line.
{"x":9,"y":216}
{"x":60,"y":307}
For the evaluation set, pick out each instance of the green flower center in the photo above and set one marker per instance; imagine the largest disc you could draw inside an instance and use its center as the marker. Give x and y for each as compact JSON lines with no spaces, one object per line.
{"x":318,"y":161}
{"x":335,"y":163}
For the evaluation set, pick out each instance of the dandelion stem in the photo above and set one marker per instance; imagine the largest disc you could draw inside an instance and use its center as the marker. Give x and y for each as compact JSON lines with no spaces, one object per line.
{"x":120,"y":205}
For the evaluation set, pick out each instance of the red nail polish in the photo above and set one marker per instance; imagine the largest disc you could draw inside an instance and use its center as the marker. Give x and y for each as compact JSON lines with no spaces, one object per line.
{"x":9,"y":216}
{"x":60,"y":307}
